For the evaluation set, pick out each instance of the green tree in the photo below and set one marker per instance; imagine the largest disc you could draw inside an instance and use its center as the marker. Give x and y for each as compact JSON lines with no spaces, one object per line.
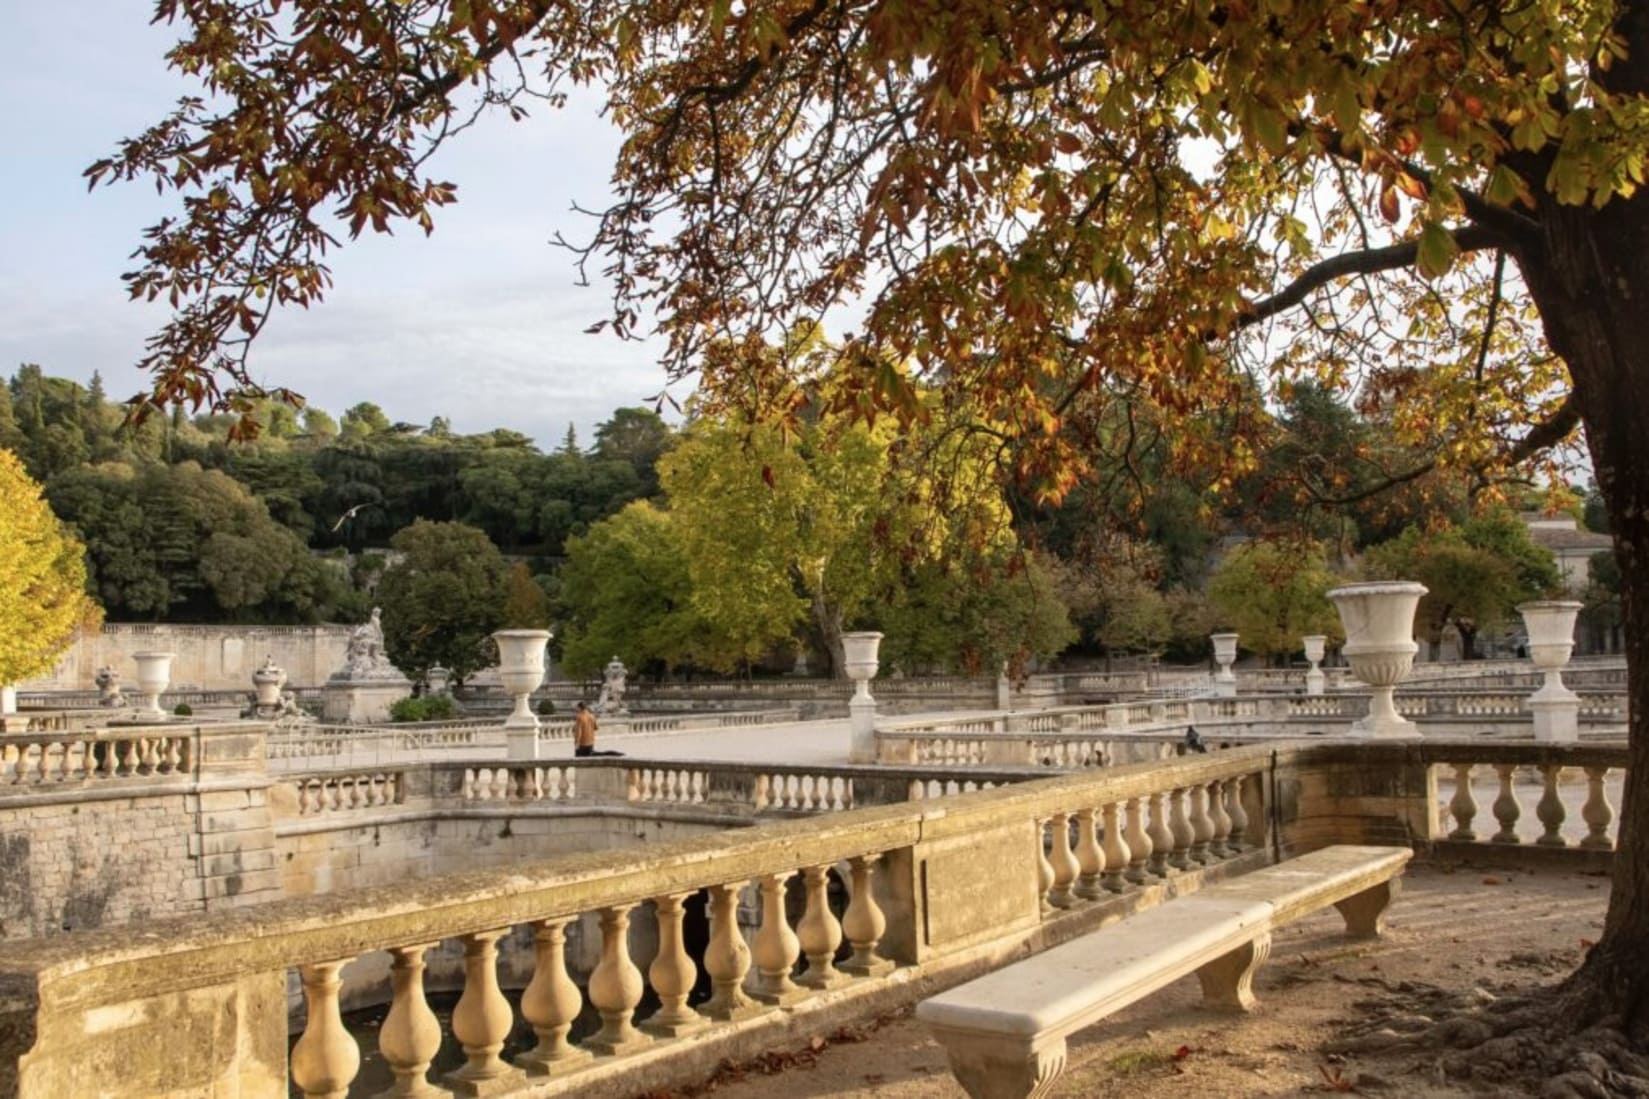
{"x":626,"y":590}
{"x":1475,"y":574}
{"x":639,"y":437}
{"x":1274,"y":593}
{"x":43,"y":597}
{"x":442,"y":600}
{"x":526,"y":606}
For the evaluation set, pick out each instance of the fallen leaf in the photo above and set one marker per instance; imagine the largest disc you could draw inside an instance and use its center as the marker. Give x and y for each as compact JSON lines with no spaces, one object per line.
{"x":1182,"y":1053}
{"x":1492,"y":880}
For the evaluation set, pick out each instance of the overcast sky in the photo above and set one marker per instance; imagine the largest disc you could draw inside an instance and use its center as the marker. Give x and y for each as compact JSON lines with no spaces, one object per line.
{"x":481,"y":322}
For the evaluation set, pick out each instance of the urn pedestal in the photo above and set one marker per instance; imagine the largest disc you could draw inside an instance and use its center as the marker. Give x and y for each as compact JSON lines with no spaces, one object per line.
{"x":1556,"y":709}
{"x":1225,"y":655}
{"x":859,"y":651}
{"x":1315,"y":645}
{"x":1379,"y":623}
{"x":521,"y":669}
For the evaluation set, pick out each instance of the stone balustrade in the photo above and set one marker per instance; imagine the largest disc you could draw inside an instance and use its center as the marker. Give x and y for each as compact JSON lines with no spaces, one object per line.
{"x":50,"y":760}
{"x":1514,"y":794}
{"x":915,"y":906}
{"x":1095,"y":736}
{"x":934,"y":894}
{"x":343,"y":792}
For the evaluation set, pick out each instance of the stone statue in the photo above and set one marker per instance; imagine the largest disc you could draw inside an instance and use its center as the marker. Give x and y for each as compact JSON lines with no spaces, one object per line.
{"x":365,"y":657}
{"x":611,"y":699}
{"x":108,"y":687}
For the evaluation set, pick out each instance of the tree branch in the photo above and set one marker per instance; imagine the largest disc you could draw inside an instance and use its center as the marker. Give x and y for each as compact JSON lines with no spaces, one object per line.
{"x":1471,"y":238}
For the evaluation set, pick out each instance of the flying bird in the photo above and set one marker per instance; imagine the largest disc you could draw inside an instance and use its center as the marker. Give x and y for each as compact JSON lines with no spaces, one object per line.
{"x":347,"y":516}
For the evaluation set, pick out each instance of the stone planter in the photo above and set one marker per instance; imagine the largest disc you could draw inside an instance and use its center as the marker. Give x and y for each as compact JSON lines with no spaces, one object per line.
{"x":859,"y":661}
{"x":1315,"y":645}
{"x":154,"y":672}
{"x":1379,"y":623}
{"x":521,"y":669}
{"x":1225,"y":655}
{"x":267,"y":682}
{"x":1556,"y":709}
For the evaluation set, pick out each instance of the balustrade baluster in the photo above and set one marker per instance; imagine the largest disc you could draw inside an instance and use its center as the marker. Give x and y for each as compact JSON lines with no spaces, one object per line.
{"x":482,"y":1020}
{"x":551,"y":1002}
{"x":1597,"y":812}
{"x":1202,"y":826}
{"x":410,"y":1035}
{"x":1044,"y":869}
{"x":776,"y":947}
{"x":1218,"y":845}
{"x":1065,"y":863}
{"x":726,"y":958}
{"x":1550,"y":810}
{"x":764,"y":796}
{"x":1162,"y":840}
{"x":1090,"y":858}
{"x":863,"y":923}
{"x":1139,"y":843}
{"x":672,"y":973}
{"x":819,"y":932}
{"x":326,"y":1059}
{"x":469,"y":785}
{"x":615,"y":986}
{"x":632,"y":784}
{"x":1463,"y":806}
{"x":1238,"y":839}
{"x":1180,"y":859}
{"x":1506,"y":809}
{"x":1117,"y":854}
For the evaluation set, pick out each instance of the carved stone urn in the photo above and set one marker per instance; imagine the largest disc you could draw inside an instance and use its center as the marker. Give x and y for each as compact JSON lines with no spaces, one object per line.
{"x":859,"y":659}
{"x":1315,"y":645}
{"x":154,"y":672}
{"x":267,"y":681}
{"x":521,"y":668}
{"x":1379,"y":623}
{"x":1225,"y":655}
{"x":1556,"y":709}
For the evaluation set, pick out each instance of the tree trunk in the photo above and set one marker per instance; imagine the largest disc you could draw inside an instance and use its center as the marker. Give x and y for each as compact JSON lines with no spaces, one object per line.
{"x":1590,"y":277}
{"x":828,"y":619}
{"x":1468,"y":641}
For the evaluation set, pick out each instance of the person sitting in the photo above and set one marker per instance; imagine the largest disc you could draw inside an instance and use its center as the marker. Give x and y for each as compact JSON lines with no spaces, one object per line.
{"x":584,"y":727}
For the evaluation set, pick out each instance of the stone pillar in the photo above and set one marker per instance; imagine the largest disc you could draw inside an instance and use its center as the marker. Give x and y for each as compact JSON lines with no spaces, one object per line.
{"x":521,"y":668}
{"x":1225,"y":654}
{"x":1314,"y":678}
{"x":860,"y":652}
{"x":1556,"y":709}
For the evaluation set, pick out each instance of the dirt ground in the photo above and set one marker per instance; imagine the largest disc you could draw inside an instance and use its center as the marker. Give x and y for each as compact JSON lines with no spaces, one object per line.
{"x":1455,"y":938}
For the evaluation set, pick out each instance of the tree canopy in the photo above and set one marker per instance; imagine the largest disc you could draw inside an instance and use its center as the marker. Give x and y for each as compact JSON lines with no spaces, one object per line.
{"x":442,"y":600}
{"x":1069,"y":218}
{"x":43,"y":600}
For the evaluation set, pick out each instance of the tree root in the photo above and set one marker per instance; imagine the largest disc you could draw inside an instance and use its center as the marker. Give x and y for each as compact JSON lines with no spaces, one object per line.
{"x":1554,"y":1044}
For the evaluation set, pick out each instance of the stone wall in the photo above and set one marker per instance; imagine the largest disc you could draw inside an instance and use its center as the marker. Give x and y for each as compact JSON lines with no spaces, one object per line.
{"x":152,"y":842}
{"x":209,"y":658}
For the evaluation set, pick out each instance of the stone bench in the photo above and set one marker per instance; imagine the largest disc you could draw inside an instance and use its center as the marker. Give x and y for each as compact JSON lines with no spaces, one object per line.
{"x":1005,"y":1032}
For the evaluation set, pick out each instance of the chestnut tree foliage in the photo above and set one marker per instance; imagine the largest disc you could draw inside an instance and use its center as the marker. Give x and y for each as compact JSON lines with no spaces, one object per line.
{"x":1059,"y":214}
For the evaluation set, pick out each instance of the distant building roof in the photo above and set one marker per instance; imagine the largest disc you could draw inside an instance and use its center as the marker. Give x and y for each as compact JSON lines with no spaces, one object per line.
{"x":1557,"y":539}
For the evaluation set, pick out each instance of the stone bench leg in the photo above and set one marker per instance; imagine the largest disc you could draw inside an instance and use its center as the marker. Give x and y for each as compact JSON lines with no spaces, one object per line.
{"x":1228,"y":981}
{"x":990,"y":1067}
{"x":1365,"y":913}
